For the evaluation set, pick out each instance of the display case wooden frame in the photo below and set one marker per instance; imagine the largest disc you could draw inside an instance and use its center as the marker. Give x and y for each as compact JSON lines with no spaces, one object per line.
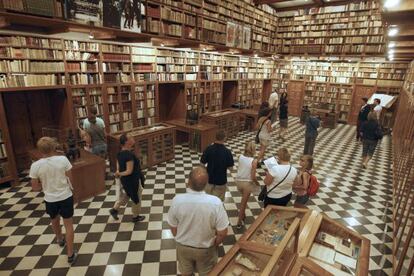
{"x":311,"y":268}
{"x":153,"y":144}
{"x":331,"y":227}
{"x":227,"y":120}
{"x":272,"y":261}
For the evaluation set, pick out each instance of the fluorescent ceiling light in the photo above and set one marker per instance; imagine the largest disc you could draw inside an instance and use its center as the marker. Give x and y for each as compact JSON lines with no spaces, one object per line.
{"x":391,"y":3}
{"x":393,"y":31}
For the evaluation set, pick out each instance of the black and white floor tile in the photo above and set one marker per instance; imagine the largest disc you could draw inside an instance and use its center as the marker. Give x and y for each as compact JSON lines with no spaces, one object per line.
{"x":358,"y":198}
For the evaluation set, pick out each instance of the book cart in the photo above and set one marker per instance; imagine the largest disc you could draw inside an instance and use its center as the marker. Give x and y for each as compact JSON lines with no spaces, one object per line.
{"x":153,"y":144}
{"x":289,"y":241}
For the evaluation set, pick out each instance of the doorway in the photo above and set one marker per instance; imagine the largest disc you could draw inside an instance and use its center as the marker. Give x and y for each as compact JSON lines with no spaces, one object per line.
{"x":171,"y":101}
{"x":27,"y":113}
{"x":229,"y":93}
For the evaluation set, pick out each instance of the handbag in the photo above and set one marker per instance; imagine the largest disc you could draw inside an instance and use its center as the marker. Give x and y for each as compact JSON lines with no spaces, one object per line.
{"x":263,"y":193}
{"x":257,"y":139}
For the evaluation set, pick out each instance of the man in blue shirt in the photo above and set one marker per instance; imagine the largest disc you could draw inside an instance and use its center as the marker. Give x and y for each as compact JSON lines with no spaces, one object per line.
{"x":312,"y":125}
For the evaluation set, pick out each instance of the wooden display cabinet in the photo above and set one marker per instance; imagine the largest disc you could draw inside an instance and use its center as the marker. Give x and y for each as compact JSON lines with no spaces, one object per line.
{"x":153,"y":144}
{"x":226,"y":119}
{"x":88,"y":174}
{"x":266,"y":261}
{"x":336,"y":245}
{"x":198,"y":136}
{"x":329,"y":119}
{"x":306,"y":267}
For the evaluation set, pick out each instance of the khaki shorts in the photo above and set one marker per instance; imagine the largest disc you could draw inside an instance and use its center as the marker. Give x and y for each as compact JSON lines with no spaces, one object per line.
{"x":191,"y":260}
{"x":247,"y":185}
{"x":216,"y":190}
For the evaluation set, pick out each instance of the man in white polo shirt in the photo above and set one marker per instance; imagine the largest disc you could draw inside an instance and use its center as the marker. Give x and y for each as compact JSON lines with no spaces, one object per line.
{"x":199,"y":223}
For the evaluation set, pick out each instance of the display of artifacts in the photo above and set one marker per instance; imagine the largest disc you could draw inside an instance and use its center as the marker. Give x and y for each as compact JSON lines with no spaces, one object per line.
{"x":337,"y":255}
{"x":238,"y":36}
{"x":273,"y":228}
{"x":124,"y":14}
{"x":247,"y":38}
{"x":246,"y":263}
{"x":84,"y":11}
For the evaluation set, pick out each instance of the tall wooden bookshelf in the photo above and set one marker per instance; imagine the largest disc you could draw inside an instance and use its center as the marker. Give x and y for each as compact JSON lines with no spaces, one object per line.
{"x":8,"y":171}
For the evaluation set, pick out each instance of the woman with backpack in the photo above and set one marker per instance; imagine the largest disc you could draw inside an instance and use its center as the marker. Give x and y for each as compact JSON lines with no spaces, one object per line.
{"x":264,"y":128}
{"x":371,"y":132}
{"x":301,"y":185}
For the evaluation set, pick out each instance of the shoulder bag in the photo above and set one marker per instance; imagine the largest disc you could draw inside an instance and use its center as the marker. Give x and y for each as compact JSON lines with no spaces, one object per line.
{"x":257,"y":139}
{"x":263,"y":193}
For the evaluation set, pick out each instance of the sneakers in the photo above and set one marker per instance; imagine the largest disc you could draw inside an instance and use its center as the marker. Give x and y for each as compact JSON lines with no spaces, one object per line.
{"x":138,"y":218}
{"x":72,"y":259}
{"x":61,"y":242}
{"x":114,"y":213}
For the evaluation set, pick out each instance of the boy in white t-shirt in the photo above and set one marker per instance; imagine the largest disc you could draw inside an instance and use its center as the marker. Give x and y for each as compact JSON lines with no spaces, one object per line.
{"x":51,"y":175}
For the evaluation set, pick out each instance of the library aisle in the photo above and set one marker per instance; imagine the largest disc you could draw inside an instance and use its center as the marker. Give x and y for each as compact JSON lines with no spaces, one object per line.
{"x":360,"y":199}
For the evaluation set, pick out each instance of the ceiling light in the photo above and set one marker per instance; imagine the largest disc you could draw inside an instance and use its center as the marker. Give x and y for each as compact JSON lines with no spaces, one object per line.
{"x":204,"y":49}
{"x":162,"y":44}
{"x":391,"y":3}
{"x":91,"y":36}
{"x":256,"y":55}
{"x":391,"y":44}
{"x":393,"y":31}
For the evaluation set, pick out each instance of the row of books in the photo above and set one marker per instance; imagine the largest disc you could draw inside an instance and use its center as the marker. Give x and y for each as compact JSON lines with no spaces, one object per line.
{"x":21,"y":80}
{"x":29,"y":53}
{"x":82,"y":67}
{"x":28,"y":41}
{"x":19,"y":66}
{"x":81,"y":46}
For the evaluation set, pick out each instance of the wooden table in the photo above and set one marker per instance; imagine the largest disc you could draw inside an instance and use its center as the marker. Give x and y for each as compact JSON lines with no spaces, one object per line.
{"x":88,"y":174}
{"x":250,"y":117}
{"x":153,"y":144}
{"x":198,"y":136}
{"x":227,"y":120}
{"x":329,"y":119}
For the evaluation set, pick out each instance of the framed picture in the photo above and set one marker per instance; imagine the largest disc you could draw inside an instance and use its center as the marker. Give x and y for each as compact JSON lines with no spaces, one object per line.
{"x":84,"y":11}
{"x":247,"y":38}
{"x":231,"y":34}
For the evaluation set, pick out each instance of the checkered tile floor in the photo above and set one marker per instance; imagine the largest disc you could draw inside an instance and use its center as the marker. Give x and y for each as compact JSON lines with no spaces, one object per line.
{"x":358,"y":198}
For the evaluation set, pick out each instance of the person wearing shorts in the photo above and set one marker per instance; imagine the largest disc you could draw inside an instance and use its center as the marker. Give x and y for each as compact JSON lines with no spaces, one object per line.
{"x":51,"y":174}
{"x":246,"y":180}
{"x":199,"y":224}
{"x":264,"y":127}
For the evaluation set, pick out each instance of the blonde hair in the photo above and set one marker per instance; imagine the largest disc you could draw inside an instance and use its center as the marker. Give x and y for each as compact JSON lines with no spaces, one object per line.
{"x":250,"y":149}
{"x":46,"y":145}
{"x":283,"y":154}
{"x":308,"y":161}
{"x":372,"y":116}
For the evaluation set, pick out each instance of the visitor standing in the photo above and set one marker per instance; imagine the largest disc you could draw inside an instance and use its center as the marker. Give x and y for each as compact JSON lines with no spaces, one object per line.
{"x":273,"y":104}
{"x":311,"y":133}
{"x":199,"y":224}
{"x":301,"y":184}
{"x":97,"y":136}
{"x":246,"y":178}
{"x":283,"y":115}
{"x":279,"y":180}
{"x":264,"y":128}
{"x":128,"y":168}
{"x":51,"y":174}
{"x":218,"y":159}
{"x":362,"y":116}
{"x":371,"y":133}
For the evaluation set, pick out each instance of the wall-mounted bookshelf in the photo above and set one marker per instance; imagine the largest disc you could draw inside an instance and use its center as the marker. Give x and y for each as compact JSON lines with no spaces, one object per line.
{"x":354,"y":29}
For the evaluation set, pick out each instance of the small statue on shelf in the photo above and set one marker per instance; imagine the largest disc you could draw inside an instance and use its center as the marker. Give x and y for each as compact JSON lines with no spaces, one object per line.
{"x":72,"y":152}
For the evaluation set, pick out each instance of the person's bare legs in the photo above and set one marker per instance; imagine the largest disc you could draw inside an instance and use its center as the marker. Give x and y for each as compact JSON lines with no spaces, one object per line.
{"x":261,"y":153}
{"x":69,"y":235}
{"x":57,"y":229}
{"x":243,"y":205}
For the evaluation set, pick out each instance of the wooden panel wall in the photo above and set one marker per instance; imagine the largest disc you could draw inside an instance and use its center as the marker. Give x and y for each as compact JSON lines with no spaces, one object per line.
{"x":403,"y":191}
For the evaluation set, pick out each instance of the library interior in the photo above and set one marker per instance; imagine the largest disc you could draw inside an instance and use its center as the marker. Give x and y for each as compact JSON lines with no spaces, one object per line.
{"x":207,"y":137}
